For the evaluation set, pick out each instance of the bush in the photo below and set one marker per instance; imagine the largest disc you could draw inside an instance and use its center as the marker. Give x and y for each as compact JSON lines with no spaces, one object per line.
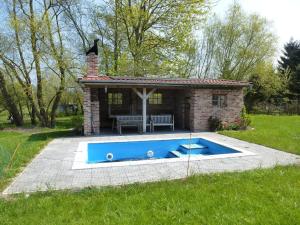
{"x":234,"y":126}
{"x":230,"y":126}
{"x":60,"y":114}
{"x":245,"y":119}
{"x":214,"y":123}
{"x":240,"y":123}
{"x":77,"y":122}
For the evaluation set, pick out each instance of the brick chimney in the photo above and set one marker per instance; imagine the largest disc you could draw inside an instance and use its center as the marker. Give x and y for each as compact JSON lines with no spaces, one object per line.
{"x":92,"y":60}
{"x":91,"y":101}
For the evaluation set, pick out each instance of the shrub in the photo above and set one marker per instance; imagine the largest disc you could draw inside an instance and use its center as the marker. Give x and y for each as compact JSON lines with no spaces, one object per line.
{"x":231,"y":126}
{"x":60,"y":114}
{"x":234,"y":126}
{"x":214,"y":123}
{"x":240,"y":123}
{"x":245,"y":119}
{"x":77,"y":122}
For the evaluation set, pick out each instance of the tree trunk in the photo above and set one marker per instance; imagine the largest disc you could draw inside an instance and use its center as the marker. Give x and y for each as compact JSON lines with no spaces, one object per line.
{"x":136,"y":66}
{"x":58,"y":54}
{"x":16,"y":94}
{"x":36,"y":56}
{"x":33,"y":116}
{"x":116,"y":38}
{"x":26,"y":82}
{"x":57,"y":99}
{"x":27,"y":87}
{"x":9,"y":102}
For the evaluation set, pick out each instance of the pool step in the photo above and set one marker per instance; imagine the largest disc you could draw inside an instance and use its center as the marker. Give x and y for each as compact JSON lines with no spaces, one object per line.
{"x":193,"y":149}
{"x":192,"y":146}
{"x":183,"y":155}
{"x":179,"y":154}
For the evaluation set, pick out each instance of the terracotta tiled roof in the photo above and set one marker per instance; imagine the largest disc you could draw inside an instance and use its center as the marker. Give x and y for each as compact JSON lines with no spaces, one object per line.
{"x":103,"y":79}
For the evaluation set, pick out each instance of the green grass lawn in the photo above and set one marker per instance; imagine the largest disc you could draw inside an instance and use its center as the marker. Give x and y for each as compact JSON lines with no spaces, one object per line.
{"x":279,"y":132}
{"x":270,"y":196}
{"x":264,"y":196}
{"x":18,"y":146}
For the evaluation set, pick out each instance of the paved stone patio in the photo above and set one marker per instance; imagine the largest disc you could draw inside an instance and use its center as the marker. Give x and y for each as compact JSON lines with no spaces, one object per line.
{"x":52,"y":168}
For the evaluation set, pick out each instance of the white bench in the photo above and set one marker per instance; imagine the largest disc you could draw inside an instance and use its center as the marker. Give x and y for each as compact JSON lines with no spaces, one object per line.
{"x":162,"y":120}
{"x":130,"y":121}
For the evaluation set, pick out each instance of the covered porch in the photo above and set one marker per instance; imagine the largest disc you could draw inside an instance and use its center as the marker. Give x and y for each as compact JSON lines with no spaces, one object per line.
{"x":137,"y":109}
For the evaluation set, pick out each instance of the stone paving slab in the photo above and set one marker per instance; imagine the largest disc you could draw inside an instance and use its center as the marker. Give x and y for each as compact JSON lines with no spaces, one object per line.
{"x":51,"y":169}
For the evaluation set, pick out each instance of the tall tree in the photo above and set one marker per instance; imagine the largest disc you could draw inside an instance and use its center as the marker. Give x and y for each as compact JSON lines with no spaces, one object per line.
{"x":58,"y":54}
{"x":37,"y":50}
{"x":25,"y":71}
{"x":289,"y":64}
{"x":141,"y":37}
{"x":233,"y":46}
{"x":33,"y":29}
{"x":159,"y":32}
{"x":267,"y":86}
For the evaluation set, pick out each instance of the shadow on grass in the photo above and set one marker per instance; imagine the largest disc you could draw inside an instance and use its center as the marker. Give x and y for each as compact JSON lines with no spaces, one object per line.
{"x":64,"y":122}
{"x":51,"y":135}
{"x":61,"y":123}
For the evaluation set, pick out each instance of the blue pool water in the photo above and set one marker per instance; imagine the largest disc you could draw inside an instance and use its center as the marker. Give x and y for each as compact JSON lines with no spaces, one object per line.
{"x":153,"y":149}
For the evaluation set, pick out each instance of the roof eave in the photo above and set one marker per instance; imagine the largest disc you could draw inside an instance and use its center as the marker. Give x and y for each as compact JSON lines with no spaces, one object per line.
{"x":128,"y":83}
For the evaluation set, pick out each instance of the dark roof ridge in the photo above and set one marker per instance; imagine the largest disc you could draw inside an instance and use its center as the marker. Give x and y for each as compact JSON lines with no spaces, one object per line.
{"x":104,"y":79}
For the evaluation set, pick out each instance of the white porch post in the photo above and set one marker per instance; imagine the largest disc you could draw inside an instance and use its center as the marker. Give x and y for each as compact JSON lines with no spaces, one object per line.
{"x":144,"y":110}
{"x":144,"y":96}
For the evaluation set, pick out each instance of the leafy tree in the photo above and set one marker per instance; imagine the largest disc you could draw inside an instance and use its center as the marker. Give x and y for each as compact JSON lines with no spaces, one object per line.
{"x":267,"y":86}
{"x":139,"y":37}
{"x":159,"y":33}
{"x":232,"y":47}
{"x":36,"y":47}
{"x":289,"y":65}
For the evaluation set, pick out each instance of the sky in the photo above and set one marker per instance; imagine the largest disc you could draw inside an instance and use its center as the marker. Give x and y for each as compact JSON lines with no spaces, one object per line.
{"x":284,"y":15}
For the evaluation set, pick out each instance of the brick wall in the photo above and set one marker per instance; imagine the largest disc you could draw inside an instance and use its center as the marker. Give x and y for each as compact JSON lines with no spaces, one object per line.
{"x":201,"y":107}
{"x":235,"y":103}
{"x":92,"y":65}
{"x":87,"y":111}
{"x":91,"y":103}
{"x":95,"y":110}
{"x":91,"y":110}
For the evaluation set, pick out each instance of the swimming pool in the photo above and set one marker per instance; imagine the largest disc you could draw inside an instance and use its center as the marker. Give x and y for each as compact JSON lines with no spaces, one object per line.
{"x":124,"y":151}
{"x":153,"y":149}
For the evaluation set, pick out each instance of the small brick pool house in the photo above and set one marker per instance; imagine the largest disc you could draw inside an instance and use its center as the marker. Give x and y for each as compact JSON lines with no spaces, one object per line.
{"x":190,"y":101}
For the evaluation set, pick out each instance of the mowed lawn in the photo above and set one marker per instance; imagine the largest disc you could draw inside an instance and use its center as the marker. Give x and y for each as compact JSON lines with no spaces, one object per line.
{"x":263,"y":196}
{"x":279,"y":132}
{"x":19,"y":146}
{"x":269,"y":196}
